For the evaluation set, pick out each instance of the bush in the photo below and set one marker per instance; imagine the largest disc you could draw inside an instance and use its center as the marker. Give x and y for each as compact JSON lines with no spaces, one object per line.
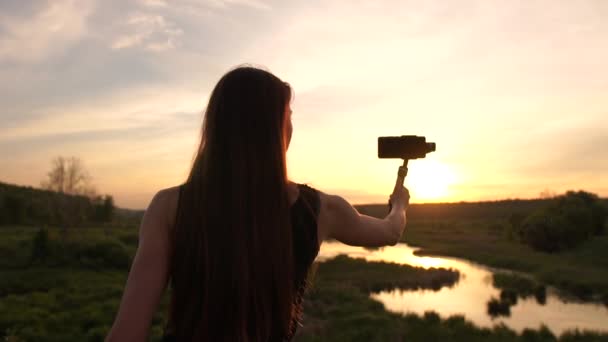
{"x":110,"y":252}
{"x":508,"y":296}
{"x":95,"y":253}
{"x":497,"y":307}
{"x":567,"y":221}
{"x":129,"y":238}
{"x":40,"y":245}
{"x":516,"y":220}
{"x":543,"y":334}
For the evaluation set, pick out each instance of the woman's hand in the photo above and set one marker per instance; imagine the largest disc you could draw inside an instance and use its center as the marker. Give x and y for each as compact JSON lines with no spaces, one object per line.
{"x":400,"y":198}
{"x":398,"y":201}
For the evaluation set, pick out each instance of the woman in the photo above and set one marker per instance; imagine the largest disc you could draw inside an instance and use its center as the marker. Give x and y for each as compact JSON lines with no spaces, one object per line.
{"x":237,"y":239}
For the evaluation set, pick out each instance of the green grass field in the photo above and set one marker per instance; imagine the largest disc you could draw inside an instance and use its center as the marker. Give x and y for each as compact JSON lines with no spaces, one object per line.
{"x":73,"y":294}
{"x":70,"y":295}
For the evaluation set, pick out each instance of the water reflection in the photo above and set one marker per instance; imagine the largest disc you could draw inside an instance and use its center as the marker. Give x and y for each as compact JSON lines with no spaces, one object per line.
{"x":509,"y":297}
{"x":472,"y":294}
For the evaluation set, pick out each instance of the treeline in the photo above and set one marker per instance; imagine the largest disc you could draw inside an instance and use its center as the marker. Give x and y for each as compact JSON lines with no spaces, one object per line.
{"x":462,"y":210}
{"x":21,"y":205}
{"x":502,"y":209}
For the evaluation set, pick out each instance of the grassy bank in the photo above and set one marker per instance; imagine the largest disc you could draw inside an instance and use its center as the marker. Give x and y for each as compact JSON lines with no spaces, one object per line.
{"x":379,"y":276}
{"x":487,"y":239}
{"x":70,"y":295}
{"x":339,"y":308}
{"x":582,"y":271}
{"x":74,"y":292}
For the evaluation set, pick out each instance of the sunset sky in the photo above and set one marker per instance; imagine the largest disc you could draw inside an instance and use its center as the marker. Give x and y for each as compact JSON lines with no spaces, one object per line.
{"x":514,"y":93}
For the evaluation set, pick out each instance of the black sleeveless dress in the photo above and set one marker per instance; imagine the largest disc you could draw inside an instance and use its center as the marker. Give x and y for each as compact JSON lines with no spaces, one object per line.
{"x":304,"y":214}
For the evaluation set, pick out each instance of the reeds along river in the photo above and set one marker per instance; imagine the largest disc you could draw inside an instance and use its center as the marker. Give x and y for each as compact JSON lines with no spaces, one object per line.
{"x":470,"y":296}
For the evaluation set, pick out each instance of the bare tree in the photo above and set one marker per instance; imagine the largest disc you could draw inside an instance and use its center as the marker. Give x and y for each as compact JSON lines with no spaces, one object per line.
{"x":547,"y":194}
{"x":56,"y":177}
{"x":69,"y":176}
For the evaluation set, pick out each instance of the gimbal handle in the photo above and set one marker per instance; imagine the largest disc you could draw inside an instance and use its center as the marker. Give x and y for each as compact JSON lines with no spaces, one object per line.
{"x":400,"y":178}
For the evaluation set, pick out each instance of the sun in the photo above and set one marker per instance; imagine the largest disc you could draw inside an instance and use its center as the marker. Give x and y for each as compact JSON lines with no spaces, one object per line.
{"x":429,"y":180}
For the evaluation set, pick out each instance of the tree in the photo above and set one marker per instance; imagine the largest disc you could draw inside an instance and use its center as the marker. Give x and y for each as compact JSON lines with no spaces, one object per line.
{"x":103,"y":207}
{"x":15,"y":208}
{"x":108,"y":208}
{"x":547,"y":194}
{"x":40,"y":245}
{"x":565,"y":222}
{"x":69,"y":176}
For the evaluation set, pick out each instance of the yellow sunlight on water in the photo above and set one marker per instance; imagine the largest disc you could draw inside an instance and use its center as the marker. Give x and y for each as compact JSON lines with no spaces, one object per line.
{"x":429,"y":180}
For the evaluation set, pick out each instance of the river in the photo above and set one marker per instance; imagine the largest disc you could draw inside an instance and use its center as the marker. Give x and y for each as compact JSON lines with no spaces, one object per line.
{"x":469,"y":297}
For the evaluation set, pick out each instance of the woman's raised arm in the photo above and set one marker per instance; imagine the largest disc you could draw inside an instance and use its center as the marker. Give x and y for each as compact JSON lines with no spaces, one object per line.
{"x":341,"y":221}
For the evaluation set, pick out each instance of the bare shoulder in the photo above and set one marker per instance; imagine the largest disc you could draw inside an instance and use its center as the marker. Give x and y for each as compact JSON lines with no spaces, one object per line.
{"x":163,"y":206}
{"x":292,"y":192}
{"x":335,"y":211}
{"x":167,"y":195}
{"x":328,"y":203}
{"x":331,"y":203}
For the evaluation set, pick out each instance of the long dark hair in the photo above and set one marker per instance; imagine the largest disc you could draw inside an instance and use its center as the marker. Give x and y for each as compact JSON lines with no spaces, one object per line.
{"x":232,"y":266}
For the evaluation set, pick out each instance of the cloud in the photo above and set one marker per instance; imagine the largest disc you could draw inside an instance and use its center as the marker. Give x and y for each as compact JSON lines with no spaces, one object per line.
{"x":153,"y":3}
{"x":217,"y":4}
{"x":124,"y":161}
{"x":249,"y":3}
{"x":491,"y":82}
{"x":149,"y":28}
{"x":126,"y":109}
{"x":150,"y":31}
{"x":47,"y":31}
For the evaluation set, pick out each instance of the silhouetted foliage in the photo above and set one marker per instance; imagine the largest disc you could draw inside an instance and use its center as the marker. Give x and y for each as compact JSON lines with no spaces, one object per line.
{"x":565,"y":222}
{"x":540,"y":294}
{"x":498,"y":307}
{"x":543,"y":334}
{"x":69,"y":175}
{"x":74,"y":296}
{"x":382,"y":276}
{"x":513,"y":286}
{"x":40,"y":245}
{"x":104,"y":208}
{"x":502,"y":209}
{"x":509,"y":296}
{"x":130,"y":238}
{"x":20,"y":205}
{"x":516,"y":220}
{"x":14,"y":208}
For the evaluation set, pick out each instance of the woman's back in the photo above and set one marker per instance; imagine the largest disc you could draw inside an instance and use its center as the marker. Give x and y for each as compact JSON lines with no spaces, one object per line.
{"x":304,"y":212}
{"x":237,"y":239}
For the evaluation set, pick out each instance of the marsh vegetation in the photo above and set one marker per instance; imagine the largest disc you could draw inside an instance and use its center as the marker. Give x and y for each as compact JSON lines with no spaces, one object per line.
{"x":66,"y":287}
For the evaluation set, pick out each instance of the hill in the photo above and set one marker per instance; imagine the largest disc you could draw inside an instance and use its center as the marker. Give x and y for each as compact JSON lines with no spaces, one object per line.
{"x":26,"y":205}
